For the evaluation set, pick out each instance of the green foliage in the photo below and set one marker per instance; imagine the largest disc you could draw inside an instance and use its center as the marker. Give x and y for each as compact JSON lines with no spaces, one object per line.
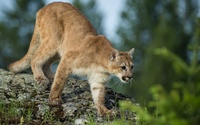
{"x":178,"y":107}
{"x":14,"y":113}
{"x":180,"y":104}
{"x":18,"y":113}
{"x":152,"y":24}
{"x":120,"y":122}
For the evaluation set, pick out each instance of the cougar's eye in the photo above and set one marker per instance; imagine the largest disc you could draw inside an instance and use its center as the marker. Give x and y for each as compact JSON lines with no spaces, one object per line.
{"x":123,"y":67}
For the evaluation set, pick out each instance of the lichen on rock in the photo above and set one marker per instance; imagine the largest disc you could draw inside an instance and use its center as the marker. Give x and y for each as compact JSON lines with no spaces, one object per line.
{"x":77,"y":106}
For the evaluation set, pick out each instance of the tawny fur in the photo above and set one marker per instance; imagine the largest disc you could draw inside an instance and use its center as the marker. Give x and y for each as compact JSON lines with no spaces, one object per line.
{"x":63,"y":33}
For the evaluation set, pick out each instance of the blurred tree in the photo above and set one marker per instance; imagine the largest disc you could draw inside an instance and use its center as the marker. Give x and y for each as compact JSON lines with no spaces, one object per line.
{"x":89,"y":9}
{"x":151,"y":24}
{"x":16,"y":27}
{"x":180,"y":104}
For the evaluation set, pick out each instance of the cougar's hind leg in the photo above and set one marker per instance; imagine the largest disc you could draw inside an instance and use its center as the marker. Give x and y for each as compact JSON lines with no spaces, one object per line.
{"x":47,"y":67}
{"x":43,"y":54}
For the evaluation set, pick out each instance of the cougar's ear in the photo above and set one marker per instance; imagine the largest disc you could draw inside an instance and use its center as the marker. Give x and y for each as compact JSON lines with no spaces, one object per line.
{"x":114,"y":54}
{"x":131,"y":52}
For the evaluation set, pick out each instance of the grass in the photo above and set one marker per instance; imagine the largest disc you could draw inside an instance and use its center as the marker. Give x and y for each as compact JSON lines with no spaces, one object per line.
{"x":9,"y":113}
{"x":18,"y":113}
{"x":24,"y":113}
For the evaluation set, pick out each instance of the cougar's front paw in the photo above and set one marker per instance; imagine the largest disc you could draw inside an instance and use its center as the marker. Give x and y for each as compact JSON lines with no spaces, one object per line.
{"x":41,"y":83}
{"x":54,"y":102}
{"x":109,"y":113}
{"x":103,"y":111}
{"x":41,"y":80}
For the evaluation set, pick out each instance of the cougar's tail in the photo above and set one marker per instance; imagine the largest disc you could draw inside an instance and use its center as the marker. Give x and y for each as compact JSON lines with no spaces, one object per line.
{"x":25,"y":62}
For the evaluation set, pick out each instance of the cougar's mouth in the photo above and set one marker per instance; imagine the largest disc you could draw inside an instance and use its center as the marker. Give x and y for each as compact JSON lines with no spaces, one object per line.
{"x":126,"y":79}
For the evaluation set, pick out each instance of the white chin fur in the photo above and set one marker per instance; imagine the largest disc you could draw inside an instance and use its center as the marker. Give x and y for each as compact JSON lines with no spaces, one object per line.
{"x":124,"y":81}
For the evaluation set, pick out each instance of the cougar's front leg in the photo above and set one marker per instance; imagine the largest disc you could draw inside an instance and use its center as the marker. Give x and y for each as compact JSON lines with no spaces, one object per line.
{"x":98,"y":95}
{"x":58,"y":84}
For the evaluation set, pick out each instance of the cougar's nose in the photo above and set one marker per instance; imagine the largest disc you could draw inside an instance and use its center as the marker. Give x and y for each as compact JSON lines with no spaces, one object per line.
{"x":126,"y":78}
{"x":129,"y":77}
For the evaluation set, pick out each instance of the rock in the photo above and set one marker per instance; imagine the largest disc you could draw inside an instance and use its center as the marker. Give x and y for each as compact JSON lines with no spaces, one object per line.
{"x":70,"y":109}
{"x":2,"y":96}
{"x":43,"y":110}
{"x":81,"y":121}
{"x":77,"y":106}
{"x":22,"y":97}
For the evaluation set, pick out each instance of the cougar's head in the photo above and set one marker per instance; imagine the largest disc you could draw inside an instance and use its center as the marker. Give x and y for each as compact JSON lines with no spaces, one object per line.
{"x":121,"y":65}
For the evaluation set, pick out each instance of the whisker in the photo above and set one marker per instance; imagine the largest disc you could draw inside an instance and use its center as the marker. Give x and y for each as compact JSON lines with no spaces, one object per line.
{"x":115,"y":83}
{"x":119,"y":82}
{"x":122,"y":84}
{"x":132,"y":82}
